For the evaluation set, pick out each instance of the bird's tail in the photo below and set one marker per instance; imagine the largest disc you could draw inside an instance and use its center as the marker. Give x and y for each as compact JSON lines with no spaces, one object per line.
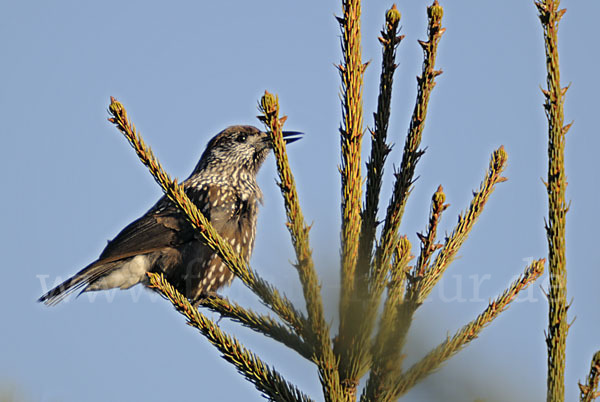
{"x":83,"y":278}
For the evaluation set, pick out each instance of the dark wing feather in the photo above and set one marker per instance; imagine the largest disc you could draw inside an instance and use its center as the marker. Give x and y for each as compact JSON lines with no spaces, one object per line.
{"x":163,"y":226}
{"x":157,"y":229}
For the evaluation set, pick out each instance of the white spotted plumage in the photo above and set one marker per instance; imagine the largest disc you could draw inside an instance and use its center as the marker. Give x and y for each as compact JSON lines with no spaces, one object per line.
{"x":223,"y":186}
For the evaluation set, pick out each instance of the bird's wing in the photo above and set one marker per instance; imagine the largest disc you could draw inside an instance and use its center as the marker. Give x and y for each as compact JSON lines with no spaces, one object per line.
{"x":163,"y":226}
{"x":155,"y":230}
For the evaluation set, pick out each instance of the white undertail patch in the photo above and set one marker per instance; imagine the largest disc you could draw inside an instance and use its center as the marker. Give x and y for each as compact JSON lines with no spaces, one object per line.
{"x":129,"y":274}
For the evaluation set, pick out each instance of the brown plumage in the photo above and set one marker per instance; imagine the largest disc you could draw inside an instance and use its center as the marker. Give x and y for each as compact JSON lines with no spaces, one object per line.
{"x":223,"y":186}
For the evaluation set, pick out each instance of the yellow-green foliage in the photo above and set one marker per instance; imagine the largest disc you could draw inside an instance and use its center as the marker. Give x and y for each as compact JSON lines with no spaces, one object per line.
{"x":374,"y":268}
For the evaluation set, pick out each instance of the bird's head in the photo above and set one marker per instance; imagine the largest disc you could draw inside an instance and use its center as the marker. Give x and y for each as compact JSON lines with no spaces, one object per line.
{"x":239,"y":148}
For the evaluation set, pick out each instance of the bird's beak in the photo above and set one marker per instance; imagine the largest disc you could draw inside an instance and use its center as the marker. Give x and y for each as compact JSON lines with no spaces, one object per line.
{"x":291,"y":136}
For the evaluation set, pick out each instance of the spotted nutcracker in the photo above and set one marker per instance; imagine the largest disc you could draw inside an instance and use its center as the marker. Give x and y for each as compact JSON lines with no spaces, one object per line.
{"x":223,"y":186}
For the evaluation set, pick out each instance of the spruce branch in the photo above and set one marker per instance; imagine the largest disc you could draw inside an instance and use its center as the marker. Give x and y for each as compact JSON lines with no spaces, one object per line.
{"x":404,"y":178}
{"x":268,"y":381}
{"x":260,"y":323}
{"x":550,"y":15}
{"x":354,"y":306}
{"x":399,"y":270}
{"x":469,"y":332}
{"x":318,"y":335}
{"x":423,"y":278}
{"x":357,"y":345}
{"x":351,"y":131}
{"x":421,"y":286}
{"x":389,"y":40}
{"x":428,"y":244}
{"x":176,"y":193}
{"x":405,"y":310}
{"x":385,"y":350}
{"x":589,"y":391}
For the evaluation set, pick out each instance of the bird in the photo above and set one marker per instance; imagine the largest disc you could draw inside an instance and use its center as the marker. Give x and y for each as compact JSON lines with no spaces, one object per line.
{"x":223,"y":187}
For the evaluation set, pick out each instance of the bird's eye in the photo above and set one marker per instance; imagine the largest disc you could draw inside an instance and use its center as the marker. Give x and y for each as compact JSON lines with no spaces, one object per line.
{"x":241,"y":137}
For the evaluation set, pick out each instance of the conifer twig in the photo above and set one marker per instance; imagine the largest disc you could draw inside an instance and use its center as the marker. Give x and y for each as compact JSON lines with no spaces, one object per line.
{"x":318,"y":335}
{"x":351,"y":131}
{"x":386,"y":350}
{"x":358,"y":344}
{"x":556,"y":338}
{"x":428,"y":247}
{"x":389,"y":40}
{"x":423,"y":277}
{"x":589,"y":391}
{"x":451,"y":346}
{"x":428,"y":244}
{"x":266,"y":380}
{"x":351,"y":327}
{"x":260,"y":323}
{"x":422,"y":285}
{"x":404,"y":178}
{"x":176,"y":193}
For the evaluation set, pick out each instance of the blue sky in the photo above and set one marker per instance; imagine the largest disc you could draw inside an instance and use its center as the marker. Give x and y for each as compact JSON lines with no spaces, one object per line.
{"x":186,"y":70}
